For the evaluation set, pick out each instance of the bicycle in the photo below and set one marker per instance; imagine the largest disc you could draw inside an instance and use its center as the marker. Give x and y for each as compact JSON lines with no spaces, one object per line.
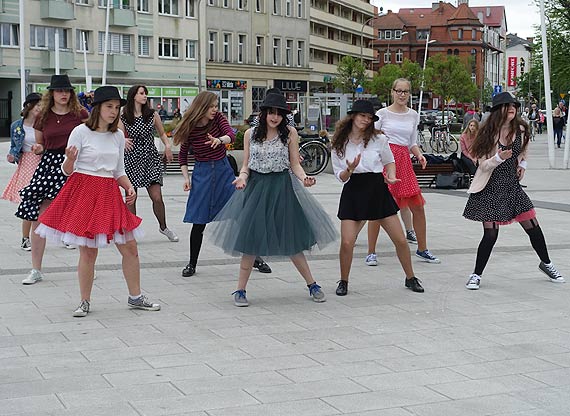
{"x":421,"y":140}
{"x":533,"y":128}
{"x":314,"y":152}
{"x":442,"y":141}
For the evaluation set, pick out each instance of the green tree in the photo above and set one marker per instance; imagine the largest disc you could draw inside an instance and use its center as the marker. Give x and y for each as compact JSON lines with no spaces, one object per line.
{"x":350,"y":74}
{"x":381,"y":82}
{"x":448,"y":77}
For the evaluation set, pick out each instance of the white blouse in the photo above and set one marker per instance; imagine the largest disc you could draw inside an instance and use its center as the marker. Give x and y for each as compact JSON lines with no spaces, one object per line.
{"x":29,"y":138}
{"x":375,"y":156}
{"x":400,"y":128}
{"x":99,"y":154}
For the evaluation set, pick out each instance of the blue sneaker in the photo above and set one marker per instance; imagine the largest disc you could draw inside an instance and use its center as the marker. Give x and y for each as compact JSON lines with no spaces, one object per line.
{"x":240,"y":298}
{"x":316,"y":293}
{"x":427,"y":256}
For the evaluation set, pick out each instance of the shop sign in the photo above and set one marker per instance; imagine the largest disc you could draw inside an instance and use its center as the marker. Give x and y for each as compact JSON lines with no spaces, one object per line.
{"x":290,"y":86}
{"x":512,"y":72}
{"x":189,"y":92}
{"x":154,"y":91}
{"x":170,"y":92}
{"x":226,"y":84}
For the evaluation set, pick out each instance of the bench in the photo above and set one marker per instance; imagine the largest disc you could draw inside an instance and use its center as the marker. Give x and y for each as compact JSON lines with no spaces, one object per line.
{"x":426,"y":177}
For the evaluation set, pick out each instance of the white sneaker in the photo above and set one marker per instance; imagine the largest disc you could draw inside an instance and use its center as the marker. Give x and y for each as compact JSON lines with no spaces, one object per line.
{"x":82,"y":310}
{"x":34,"y":277}
{"x":474,"y":282}
{"x":170,"y":234}
{"x":69,"y":246}
{"x":371,"y":260}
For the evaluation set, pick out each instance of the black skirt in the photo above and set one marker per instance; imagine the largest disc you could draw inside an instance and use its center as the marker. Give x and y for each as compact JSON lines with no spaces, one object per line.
{"x":366,"y":197}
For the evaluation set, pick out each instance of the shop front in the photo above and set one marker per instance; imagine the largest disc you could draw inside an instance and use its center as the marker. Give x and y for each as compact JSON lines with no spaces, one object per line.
{"x":231,"y":95}
{"x":294,"y":92}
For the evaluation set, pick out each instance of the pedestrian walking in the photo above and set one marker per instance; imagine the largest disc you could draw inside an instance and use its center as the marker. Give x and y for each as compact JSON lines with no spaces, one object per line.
{"x":143,"y":164}
{"x":496,"y":197}
{"x":22,"y":138}
{"x":558,"y":125}
{"x":60,"y":114}
{"x":89,"y":211}
{"x":399,"y":123}
{"x":272,"y":214}
{"x":360,"y":154}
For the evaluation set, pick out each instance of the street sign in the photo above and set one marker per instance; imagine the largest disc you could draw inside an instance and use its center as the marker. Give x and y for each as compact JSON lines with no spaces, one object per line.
{"x":497,"y":89}
{"x":359,"y":89}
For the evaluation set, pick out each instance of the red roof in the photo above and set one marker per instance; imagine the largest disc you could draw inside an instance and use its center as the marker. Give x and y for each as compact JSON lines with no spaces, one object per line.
{"x":492,"y":15}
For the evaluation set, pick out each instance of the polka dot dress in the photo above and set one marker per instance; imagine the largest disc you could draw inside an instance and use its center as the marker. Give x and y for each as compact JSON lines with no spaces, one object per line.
{"x":142,"y":163}
{"x":503,"y":199}
{"x":21,"y":177}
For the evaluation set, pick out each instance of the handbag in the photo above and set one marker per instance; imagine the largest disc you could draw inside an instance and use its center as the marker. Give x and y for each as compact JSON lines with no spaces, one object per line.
{"x":453,"y":180}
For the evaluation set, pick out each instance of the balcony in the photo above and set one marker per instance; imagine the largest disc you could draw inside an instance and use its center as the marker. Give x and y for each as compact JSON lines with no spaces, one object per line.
{"x":124,"y":17}
{"x":57,"y":9}
{"x":66,"y":60}
{"x":121,"y":63}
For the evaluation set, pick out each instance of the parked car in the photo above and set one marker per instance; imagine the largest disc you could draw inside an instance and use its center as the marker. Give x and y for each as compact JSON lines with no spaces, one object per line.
{"x":427,"y":119}
{"x":450,"y":116}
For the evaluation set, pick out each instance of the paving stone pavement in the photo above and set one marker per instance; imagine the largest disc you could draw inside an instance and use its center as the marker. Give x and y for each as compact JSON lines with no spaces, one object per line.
{"x":380,"y":351}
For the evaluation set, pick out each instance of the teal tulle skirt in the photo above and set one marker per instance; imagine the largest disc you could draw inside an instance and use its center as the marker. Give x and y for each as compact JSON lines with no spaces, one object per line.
{"x":273,"y":216}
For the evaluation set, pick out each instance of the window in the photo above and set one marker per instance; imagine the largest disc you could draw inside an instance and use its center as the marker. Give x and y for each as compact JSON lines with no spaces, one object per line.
{"x":119,"y":43}
{"x":79,"y":44}
{"x":380,"y":33}
{"x":288,"y":52}
{"x":190,"y":9}
{"x":168,"y":48}
{"x":212,"y":46}
{"x":9,"y":35}
{"x":227,"y":47}
{"x":142,"y":6}
{"x":288,"y":6}
{"x":82,"y":2}
{"x":422,"y":34}
{"x":259,"y":6}
{"x":276,"y":51}
{"x":300,"y":8}
{"x":276,"y":6}
{"x":456,"y":51}
{"x":387,"y":34}
{"x":449,"y":52}
{"x":397,"y":34}
{"x":191,"y":49}
{"x":144,"y":46}
{"x":460,"y":34}
{"x":241,"y":51}
{"x":169,"y":7}
{"x":473,"y":34}
{"x":300,"y":53}
{"x":116,"y":4}
{"x":43,"y":37}
{"x":259,"y":50}
{"x":399,"y":56}
{"x":257,"y":97}
{"x":241,"y":4}
{"x":387,"y":57}
{"x":211,"y":2}
{"x":225,"y":4}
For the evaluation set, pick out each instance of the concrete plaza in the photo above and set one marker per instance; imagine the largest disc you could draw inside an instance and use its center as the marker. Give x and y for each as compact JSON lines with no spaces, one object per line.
{"x":380,"y":351}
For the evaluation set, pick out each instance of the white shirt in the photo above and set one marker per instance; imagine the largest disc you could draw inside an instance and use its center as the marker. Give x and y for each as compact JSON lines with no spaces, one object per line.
{"x":374,"y":156}
{"x":99,"y":154}
{"x":29,"y":138}
{"x":400,"y":128}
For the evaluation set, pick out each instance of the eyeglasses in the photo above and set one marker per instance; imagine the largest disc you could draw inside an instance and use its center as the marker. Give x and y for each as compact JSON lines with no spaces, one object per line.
{"x":401,"y":92}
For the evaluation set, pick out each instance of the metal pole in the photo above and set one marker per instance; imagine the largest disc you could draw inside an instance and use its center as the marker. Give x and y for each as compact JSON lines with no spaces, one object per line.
{"x":106,"y":43}
{"x":199,"y":49}
{"x":56,"y":52}
{"x":547,"y":92}
{"x":84,"y":43}
{"x":566,"y":140}
{"x":362,"y":38}
{"x":22,"y":54}
{"x":423,"y":75}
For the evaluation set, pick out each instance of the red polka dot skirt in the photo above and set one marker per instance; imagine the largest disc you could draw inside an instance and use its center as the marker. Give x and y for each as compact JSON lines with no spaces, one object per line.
{"x":407,"y":192}
{"x":89,"y":211}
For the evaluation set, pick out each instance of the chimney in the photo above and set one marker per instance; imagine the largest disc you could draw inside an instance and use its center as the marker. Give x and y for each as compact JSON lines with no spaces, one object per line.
{"x":530,"y":40}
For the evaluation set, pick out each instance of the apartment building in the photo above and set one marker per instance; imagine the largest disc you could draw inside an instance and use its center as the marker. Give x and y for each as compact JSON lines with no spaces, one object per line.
{"x":338,"y":28}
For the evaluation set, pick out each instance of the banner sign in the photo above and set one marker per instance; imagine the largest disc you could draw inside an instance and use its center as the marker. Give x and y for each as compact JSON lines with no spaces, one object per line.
{"x":512,"y":72}
{"x":226,"y":84}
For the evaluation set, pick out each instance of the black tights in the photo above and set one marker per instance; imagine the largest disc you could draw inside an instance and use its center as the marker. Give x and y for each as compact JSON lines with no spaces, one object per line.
{"x":490,"y":234}
{"x":196,"y":236}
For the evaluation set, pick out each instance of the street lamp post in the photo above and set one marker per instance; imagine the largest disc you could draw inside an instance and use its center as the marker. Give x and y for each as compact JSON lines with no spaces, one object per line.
{"x":423,"y":72}
{"x":362,"y":34}
{"x":199,"y":48}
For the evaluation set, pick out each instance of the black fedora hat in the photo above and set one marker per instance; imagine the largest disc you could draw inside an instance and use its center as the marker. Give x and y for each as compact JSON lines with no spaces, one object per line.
{"x":504,"y":98}
{"x":60,"y":82}
{"x":33,"y":97}
{"x":275,"y":101}
{"x":363,"y":106}
{"x":107,"y":93}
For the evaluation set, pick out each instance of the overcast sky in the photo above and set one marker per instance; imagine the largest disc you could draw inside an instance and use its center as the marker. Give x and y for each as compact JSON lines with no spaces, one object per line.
{"x":521,"y":14}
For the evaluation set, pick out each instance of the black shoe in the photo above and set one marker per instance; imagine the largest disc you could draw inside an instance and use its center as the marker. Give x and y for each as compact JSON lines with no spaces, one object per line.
{"x":262,"y":266}
{"x":342,"y":288}
{"x":414,"y":284}
{"x":189,"y":270}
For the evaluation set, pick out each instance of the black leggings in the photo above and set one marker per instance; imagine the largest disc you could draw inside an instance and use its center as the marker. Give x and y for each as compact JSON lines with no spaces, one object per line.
{"x":196,"y":236}
{"x":490,"y":234}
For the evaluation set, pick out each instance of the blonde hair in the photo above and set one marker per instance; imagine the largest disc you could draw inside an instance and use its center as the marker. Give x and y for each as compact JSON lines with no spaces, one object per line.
{"x":467,"y":131}
{"x":193,"y":114}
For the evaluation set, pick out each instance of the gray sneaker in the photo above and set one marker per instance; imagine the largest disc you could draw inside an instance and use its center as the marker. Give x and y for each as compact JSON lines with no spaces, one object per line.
{"x":316,"y":293}
{"x":474,"y":282}
{"x":411,"y":237}
{"x":26,"y":244}
{"x":239,"y":298}
{"x":551,"y":272}
{"x":35,"y":276}
{"x":82,"y":310}
{"x":171,"y":235}
{"x":142,"y":303}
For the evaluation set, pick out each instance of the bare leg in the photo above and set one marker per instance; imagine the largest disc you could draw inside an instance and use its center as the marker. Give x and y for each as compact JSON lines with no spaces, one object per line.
{"x":86,"y":271}
{"x":348,"y":233}
{"x":26,"y":227}
{"x":373,"y":231}
{"x":406,"y":215}
{"x":302,"y":267}
{"x":419,"y":217}
{"x":131,"y":266}
{"x":38,"y":243}
{"x":394,"y":230}
{"x":155,"y":194}
{"x":245,"y":266}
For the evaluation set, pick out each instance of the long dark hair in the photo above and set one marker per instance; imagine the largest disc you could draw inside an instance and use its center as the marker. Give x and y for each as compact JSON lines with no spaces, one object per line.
{"x":342,"y":130}
{"x":486,"y":141}
{"x":129,"y":108}
{"x":93,"y":120}
{"x":260,"y":132}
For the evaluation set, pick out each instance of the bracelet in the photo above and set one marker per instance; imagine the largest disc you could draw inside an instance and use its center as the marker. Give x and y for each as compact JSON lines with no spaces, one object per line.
{"x":242,"y":171}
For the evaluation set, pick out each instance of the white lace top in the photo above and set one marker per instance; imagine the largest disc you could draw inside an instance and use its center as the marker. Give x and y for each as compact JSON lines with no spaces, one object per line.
{"x":271,"y":155}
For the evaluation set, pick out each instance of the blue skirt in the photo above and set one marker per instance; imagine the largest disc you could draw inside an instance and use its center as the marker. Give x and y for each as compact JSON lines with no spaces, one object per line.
{"x":273,"y":216}
{"x":211,"y":189}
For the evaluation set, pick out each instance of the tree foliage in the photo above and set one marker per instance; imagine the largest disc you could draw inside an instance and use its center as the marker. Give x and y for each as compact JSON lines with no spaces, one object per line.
{"x":382,"y":81}
{"x":350,"y":74}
